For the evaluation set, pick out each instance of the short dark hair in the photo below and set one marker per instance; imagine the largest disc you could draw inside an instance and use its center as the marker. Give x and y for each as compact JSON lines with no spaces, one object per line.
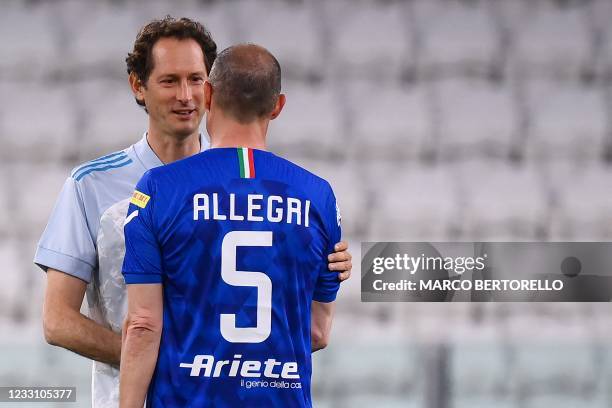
{"x":246,"y":79}
{"x":140,"y":60}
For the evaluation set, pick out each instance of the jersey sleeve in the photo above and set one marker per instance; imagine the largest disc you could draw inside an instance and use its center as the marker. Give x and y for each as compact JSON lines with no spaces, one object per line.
{"x":142,"y":262}
{"x":328,"y":283}
{"x":67,"y":243}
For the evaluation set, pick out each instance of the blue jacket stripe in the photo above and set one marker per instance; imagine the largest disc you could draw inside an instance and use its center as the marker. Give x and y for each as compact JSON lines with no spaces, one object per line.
{"x":98,"y":163}
{"x":110,"y":166}
{"x":108,"y":156}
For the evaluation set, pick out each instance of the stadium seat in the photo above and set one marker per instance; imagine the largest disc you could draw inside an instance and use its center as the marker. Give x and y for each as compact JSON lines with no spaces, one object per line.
{"x":25,"y":348}
{"x":480,"y":371}
{"x":548,"y":40}
{"x":31,"y":47}
{"x":342,"y":180}
{"x":456,"y":37}
{"x":101,"y":42}
{"x":568,"y":399}
{"x":38,"y":121}
{"x":357,"y":367}
{"x":406,"y":131}
{"x":598,"y":19}
{"x":605,"y":378}
{"x":6,"y":194}
{"x":502,"y":203}
{"x":567,"y":121}
{"x":311,"y":124}
{"x":477,"y":119}
{"x":460,"y":401}
{"x":412,"y":203}
{"x":278,"y":28}
{"x":387,"y":401}
{"x":584,"y":202}
{"x":110,"y":126}
{"x":12,"y":290}
{"x":36,"y":188}
{"x":219,"y":18}
{"x":371,"y":40}
{"x":548,"y":370}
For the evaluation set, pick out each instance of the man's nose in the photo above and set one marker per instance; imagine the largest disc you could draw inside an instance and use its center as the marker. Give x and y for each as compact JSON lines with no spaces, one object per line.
{"x":184,"y":92}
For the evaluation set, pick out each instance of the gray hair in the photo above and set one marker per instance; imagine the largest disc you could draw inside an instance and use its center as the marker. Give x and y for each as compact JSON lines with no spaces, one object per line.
{"x":246,"y":79}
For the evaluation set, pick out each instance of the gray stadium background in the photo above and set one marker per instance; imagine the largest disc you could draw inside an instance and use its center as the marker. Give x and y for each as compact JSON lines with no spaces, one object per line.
{"x":433,"y":120}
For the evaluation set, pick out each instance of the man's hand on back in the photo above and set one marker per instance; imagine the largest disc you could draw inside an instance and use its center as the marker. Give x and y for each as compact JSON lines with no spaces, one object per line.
{"x":341,"y":260}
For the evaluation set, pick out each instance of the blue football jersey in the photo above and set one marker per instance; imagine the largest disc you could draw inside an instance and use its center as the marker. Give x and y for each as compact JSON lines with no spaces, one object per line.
{"x":239,"y":240}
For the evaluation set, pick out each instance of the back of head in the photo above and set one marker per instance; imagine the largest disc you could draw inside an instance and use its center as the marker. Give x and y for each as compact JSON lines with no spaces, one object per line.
{"x":246,"y":80}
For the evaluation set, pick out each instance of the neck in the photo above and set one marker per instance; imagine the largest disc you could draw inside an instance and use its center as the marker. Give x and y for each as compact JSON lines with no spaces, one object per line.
{"x":170,"y":148}
{"x":234,"y":134}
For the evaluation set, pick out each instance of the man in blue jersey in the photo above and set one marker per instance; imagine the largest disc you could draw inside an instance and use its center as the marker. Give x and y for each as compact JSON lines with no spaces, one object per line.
{"x":82,"y":247}
{"x":226,"y":260}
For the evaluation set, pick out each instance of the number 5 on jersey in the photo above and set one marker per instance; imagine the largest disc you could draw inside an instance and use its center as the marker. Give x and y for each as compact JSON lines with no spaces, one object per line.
{"x":260,"y":280}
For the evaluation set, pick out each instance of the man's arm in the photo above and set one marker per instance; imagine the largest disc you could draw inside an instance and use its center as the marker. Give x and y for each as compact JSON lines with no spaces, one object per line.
{"x":66,"y":327}
{"x":322,"y":315}
{"x":340,"y":260}
{"x":142,"y":334}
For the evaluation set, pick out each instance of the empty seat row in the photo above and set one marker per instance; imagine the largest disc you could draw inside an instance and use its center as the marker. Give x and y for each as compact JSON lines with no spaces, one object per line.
{"x":447,"y":120}
{"x":312,"y":39}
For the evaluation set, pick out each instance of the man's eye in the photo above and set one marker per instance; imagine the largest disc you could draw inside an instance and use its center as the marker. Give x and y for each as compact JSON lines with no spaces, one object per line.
{"x":197,"y":79}
{"x":166,"y":81}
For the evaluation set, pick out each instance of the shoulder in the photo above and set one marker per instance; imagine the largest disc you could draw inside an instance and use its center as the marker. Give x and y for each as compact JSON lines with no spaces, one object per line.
{"x":102,"y":166}
{"x":316,"y":188}
{"x":299,"y":174}
{"x":184,"y":169}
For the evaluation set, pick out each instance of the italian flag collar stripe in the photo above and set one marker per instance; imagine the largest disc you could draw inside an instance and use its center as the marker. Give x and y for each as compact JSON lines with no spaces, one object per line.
{"x":245,"y":162}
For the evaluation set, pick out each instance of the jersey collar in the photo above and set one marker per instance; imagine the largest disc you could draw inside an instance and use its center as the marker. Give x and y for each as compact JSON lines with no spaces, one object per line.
{"x":147,"y":156}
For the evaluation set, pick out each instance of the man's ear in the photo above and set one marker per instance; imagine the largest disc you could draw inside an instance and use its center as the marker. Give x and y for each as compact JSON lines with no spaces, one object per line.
{"x":136,"y":87}
{"x":280,"y":103}
{"x":208,"y":92}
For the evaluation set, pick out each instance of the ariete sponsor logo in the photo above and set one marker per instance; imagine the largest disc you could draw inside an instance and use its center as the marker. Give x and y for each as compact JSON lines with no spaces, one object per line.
{"x":207,"y":366}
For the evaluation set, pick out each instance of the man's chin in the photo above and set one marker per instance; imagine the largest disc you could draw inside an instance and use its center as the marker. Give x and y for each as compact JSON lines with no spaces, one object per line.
{"x":183,"y":132}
